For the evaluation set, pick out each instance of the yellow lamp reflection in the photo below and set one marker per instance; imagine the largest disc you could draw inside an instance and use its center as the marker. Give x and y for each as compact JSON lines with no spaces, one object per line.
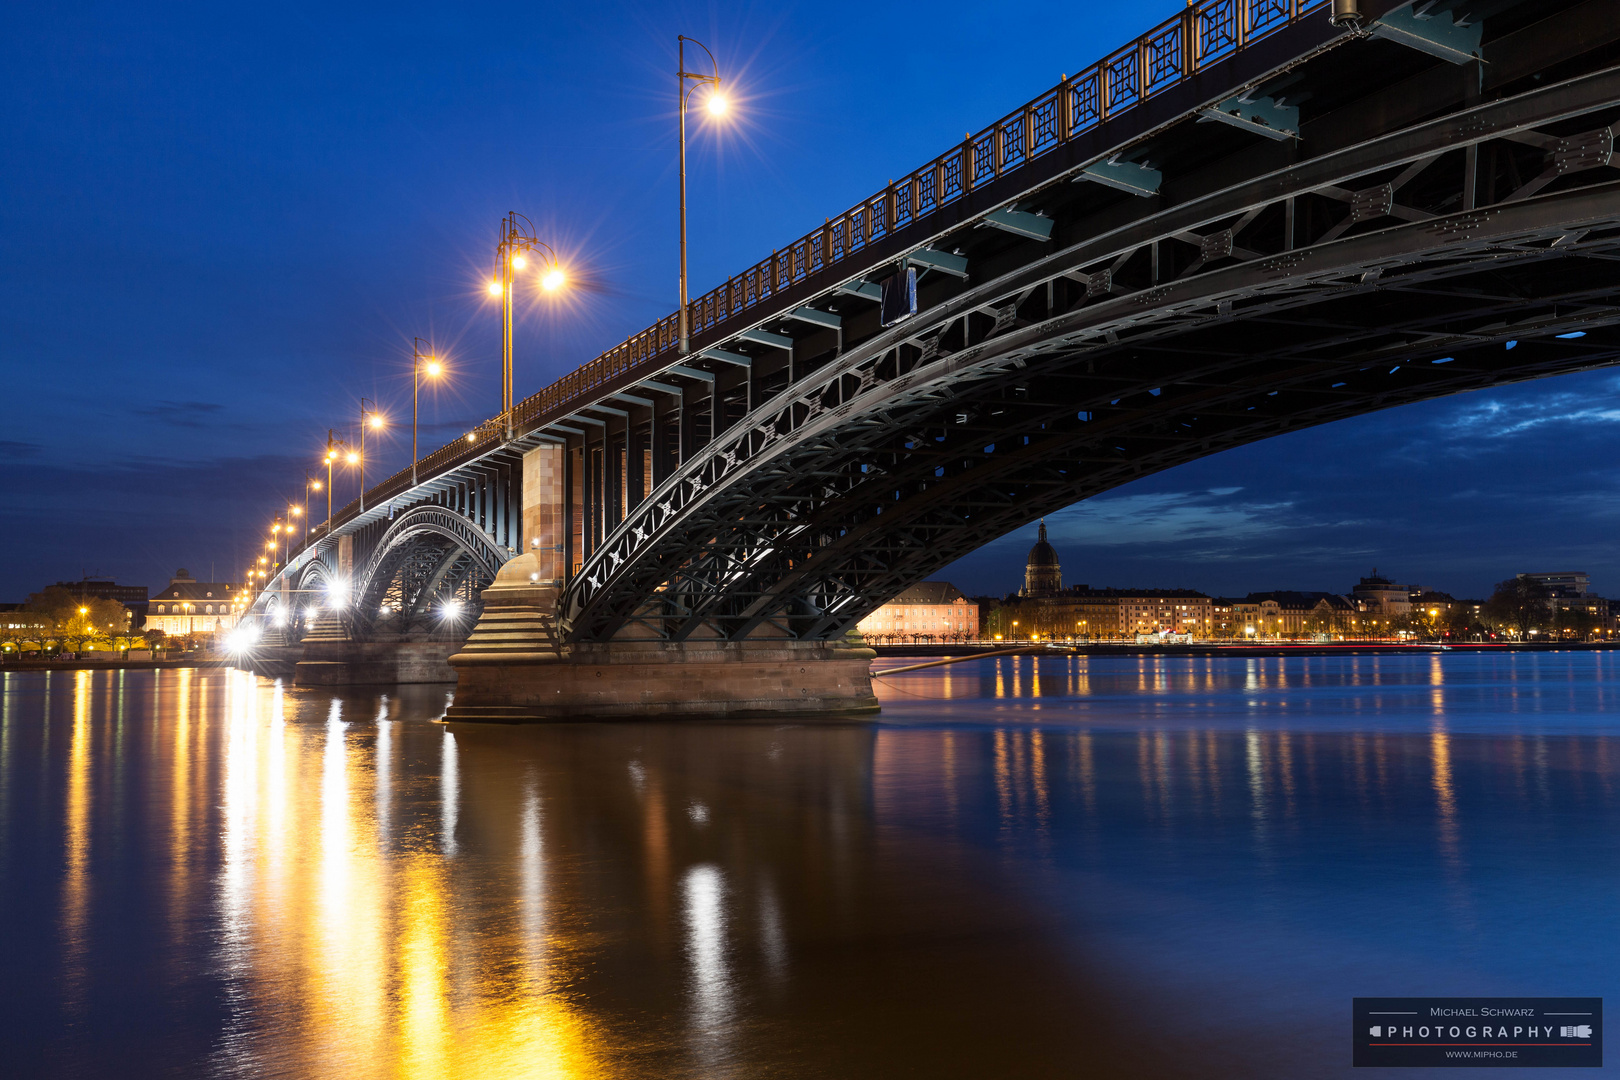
{"x":368,"y":954}
{"x":76,"y":886}
{"x":375,"y":952}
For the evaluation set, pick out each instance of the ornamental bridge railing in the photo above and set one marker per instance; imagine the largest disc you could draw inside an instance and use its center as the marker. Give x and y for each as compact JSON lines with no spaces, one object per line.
{"x":1205,"y":33}
{"x":1166,"y":56}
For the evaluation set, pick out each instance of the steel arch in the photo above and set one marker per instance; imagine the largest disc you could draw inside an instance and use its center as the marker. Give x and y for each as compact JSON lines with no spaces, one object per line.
{"x":704,"y":551}
{"x":458,"y":550}
{"x":703,"y":540}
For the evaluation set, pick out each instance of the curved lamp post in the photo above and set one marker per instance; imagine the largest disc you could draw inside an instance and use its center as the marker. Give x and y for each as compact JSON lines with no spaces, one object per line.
{"x":717,"y":107}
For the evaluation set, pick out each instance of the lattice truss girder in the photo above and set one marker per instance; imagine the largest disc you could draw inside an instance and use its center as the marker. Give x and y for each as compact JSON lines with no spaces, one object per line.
{"x":1326,"y":292}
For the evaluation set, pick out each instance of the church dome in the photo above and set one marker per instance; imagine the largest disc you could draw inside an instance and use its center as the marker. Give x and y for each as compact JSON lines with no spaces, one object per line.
{"x":1043,"y":576}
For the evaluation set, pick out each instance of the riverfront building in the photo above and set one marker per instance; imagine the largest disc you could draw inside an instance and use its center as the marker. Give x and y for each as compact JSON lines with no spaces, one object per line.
{"x":189,"y":606}
{"x":928,"y":611}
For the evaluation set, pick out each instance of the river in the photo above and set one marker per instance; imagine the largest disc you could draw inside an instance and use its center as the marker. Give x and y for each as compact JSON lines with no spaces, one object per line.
{"x":1062,"y":867}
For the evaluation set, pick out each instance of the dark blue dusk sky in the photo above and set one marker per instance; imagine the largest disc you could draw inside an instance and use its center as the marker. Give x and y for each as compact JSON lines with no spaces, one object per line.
{"x":221,"y":225}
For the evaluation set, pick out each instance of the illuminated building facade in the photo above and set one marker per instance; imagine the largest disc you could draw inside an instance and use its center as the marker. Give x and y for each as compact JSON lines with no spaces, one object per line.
{"x":929,"y":610}
{"x":189,"y":606}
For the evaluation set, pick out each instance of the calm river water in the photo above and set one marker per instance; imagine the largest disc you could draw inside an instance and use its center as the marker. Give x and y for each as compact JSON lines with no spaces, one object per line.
{"x":1066,"y":867}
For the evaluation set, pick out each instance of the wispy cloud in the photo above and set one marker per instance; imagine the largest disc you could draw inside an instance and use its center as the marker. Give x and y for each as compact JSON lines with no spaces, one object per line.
{"x":186,"y":414}
{"x":1496,"y":420}
{"x":1170,"y":517}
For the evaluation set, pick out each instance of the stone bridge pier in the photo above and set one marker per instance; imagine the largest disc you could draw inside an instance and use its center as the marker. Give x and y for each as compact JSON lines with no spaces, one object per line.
{"x":518,"y":666}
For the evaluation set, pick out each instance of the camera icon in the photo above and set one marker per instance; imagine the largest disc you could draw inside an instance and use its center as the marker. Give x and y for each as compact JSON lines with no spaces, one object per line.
{"x":1376,"y":1030}
{"x":1578,"y":1031}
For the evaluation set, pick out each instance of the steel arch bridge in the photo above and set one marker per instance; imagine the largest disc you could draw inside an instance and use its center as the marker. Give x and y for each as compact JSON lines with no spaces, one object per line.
{"x":1245,"y":223}
{"x":410,"y":569}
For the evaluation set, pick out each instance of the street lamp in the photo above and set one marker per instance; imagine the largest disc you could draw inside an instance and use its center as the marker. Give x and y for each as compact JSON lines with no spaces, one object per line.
{"x":373,"y":419}
{"x":434,"y":369}
{"x":717,"y":107}
{"x":334,"y":449}
{"x":511,"y":258}
{"x":278,"y":531}
{"x":310,"y":484}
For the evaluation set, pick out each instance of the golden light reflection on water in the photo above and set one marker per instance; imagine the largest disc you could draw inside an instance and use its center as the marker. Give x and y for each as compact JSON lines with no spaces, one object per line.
{"x":76,"y":844}
{"x":322,"y":923}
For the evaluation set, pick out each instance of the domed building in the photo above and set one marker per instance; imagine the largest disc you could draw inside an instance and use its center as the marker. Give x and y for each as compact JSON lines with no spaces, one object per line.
{"x":1042,"y":574}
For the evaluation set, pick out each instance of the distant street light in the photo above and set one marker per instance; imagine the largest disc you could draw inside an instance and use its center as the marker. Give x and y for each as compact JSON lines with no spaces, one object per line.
{"x":717,"y":107}
{"x":373,"y":419}
{"x":433,"y":369}
{"x":310,"y":484}
{"x":512,"y":253}
{"x":279,"y":531}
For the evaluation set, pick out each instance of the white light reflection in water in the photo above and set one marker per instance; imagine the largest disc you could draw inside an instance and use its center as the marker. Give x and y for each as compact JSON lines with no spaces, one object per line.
{"x":383,"y":769}
{"x":239,"y":843}
{"x":703,"y":897}
{"x":772,"y":938}
{"x":531,"y":855}
{"x":449,"y":793}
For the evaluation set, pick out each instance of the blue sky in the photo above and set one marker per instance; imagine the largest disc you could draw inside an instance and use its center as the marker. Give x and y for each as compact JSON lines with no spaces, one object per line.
{"x":221,"y":226}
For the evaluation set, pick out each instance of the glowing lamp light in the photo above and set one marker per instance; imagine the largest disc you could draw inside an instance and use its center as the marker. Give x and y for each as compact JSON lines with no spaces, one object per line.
{"x":471,"y":437}
{"x":452,"y":608}
{"x":280,"y":617}
{"x":434,"y":369}
{"x":377,"y":420}
{"x":494,"y":288}
{"x":519,"y":262}
{"x":718,"y":105}
{"x":353,"y":457}
{"x":553,"y":279}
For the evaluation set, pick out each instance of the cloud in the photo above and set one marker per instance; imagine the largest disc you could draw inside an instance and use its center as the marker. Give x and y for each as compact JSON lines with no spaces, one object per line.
{"x":1170,"y":517}
{"x":185,"y":414}
{"x":1495,"y":420}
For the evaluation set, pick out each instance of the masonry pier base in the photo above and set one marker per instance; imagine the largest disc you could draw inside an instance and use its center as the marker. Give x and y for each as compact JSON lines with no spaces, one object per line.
{"x":332,"y":658}
{"x":513,"y":669}
{"x":361,"y":663}
{"x":651,"y":679}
